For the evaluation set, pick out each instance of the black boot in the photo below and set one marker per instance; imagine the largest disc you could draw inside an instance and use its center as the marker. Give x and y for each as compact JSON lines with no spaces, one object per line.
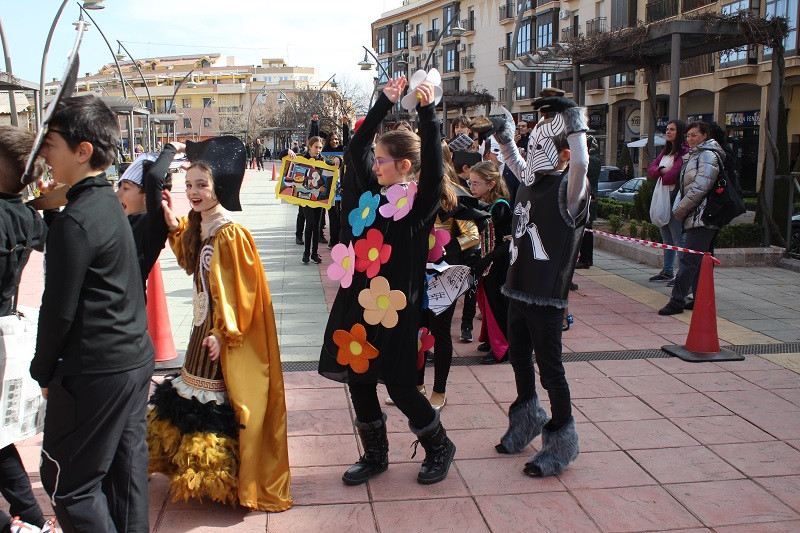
{"x":376,"y":452}
{"x":439,"y":452}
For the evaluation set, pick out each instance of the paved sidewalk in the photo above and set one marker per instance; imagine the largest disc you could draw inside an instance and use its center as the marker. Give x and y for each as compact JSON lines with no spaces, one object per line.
{"x":665,"y":445}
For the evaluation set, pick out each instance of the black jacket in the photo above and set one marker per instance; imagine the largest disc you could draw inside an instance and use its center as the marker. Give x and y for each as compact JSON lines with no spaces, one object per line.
{"x":18,"y":224}
{"x":93,"y":318}
{"x":149,"y":228}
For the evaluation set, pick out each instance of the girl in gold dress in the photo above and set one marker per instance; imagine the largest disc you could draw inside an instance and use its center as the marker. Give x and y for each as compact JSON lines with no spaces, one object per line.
{"x":219,"y":429}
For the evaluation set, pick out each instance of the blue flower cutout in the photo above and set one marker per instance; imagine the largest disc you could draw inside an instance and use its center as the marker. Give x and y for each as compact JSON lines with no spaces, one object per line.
{"x":364,"y":215}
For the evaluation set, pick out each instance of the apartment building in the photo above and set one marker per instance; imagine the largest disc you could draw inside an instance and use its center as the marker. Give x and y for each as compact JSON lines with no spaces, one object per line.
{"x":729,"y":88}
{"x":215,"y":94}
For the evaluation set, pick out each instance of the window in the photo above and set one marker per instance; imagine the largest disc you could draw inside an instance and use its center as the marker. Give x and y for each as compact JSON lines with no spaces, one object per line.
{"x":186,"y":102}
{"x":207,"y":102}
{"x":450,"y":59}
{"x":383,"y":38}
{"x":435,"y":25}
{"x":547,"y":80}
{"x":544,"y":35}
{"x":788,"y":9}
{"x":206,"y":122}
{"x":187,"y":123}
{"x":447,"y":14}
{"x":387,"y":66}
{"x":524,"y":38}
{"x":400,"y":38}
{"x":734,"y":56}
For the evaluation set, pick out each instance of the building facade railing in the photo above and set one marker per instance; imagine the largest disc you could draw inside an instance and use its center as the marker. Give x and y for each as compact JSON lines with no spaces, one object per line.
{"x":693,"y":66}
{"x":434,"y":34}
{"x":661,"y":9}
{"x":688,"y":5}
{"x":467,"y":62}
{"x":416,"y":40}
{"x":503,"y":54}
{"x":595,"y":26}
{"x":506,"y":11}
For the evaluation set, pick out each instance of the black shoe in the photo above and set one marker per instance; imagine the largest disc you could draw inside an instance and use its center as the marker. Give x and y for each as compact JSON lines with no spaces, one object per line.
{"x":671,"y":283}
{"x":484,"y":347}
{"x":466,"y":335}
{"x":298,"y":240}
{"x":568,"y":320}
{"x":316,"y":258}
{"x":689,"y":305}
{"x":323,"y":240}
{"x":490,"y":359}
{"x":439,"y":452}
{"x":376,"y":452}
{"x":661,"y":276}
{"x":573,"y":286}
{"x":582,"y":265}
{"x":670,"y":309}
{"x":305,"y":259}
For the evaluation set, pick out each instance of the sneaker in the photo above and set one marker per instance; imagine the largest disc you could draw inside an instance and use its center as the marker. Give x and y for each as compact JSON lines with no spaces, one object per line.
{"x":490,"y":359}
{"x":316,"y":258}
{"x":305,"y":259}
{"x":671,"y":283}
{"x":298,"y":240}
{"x":670,"y":309}
{"x":484,"y":347}
{"x":689,"y":305}
{"x":20,"y":526}
{"x":466,"y":335}
{"x":661,"y":276}
{"x":50,"y":526}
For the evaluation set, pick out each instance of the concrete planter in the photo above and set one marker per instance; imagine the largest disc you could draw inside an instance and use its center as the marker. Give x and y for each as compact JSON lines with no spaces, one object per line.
{"x":730,"y":257}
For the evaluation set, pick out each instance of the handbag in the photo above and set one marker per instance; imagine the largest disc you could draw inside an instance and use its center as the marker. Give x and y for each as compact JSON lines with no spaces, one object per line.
{"x":21,"y":403}
{"x":660,"y":205}
{"x":723,"y":204}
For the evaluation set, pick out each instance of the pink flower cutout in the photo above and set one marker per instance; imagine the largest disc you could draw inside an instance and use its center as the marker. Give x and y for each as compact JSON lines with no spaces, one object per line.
{"x":425,"y":342}
{"x":344,"y":263}
{"x":401,"y":200}
{"x":436,"y":241}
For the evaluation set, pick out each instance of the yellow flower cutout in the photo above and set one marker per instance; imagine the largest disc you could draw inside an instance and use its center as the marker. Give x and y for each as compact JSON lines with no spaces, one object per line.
{"x":380,"y":303}
{"x":354,"y":350}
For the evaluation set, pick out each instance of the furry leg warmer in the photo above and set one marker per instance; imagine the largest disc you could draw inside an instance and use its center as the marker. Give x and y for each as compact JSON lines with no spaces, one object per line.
{"x":525,"y":422}
{"x":559,"y":448}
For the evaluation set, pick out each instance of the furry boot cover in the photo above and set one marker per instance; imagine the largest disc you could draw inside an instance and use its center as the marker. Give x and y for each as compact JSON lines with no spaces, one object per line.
{"x":525,"y":422}
{"x":559,"y":448}
{"x":439,"y":452}
{"x":376,"y":452}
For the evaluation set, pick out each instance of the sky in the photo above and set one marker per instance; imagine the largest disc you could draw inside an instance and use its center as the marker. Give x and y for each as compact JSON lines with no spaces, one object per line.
{"x":328,"y":37}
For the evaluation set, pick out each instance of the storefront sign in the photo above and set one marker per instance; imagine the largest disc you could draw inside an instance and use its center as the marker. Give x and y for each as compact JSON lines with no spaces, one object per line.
{"x":597,"y":120}
{"x":661,"y":124}
{"x":705,"y":117}
{"x":743,"y":119}
{"x":634,"y":121}
{"x":527,"y":117}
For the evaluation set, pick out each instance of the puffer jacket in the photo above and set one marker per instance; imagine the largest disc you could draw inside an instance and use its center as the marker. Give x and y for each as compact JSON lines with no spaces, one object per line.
{"x":698,"y":175}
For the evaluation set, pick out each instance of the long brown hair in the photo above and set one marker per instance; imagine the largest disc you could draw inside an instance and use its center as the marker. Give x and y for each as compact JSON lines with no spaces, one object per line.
{"x":487,"y":171}
{"x":451,"y":180}
{"x":190,"y":249}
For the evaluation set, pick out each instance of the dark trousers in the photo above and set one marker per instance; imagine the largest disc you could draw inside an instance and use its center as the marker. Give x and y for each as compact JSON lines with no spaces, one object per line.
{"x":469,"y":258}
{"x":536,"y":330}
{"x":333,"y":214}
{"x":94,"y":453}
{"x":260,"y":163}
{"x":439,"y":326}
{"x":587,"y":242}
{"x":700,"y":239}
{"x":301,"y":219}
{"x":16,"y":489}
{"x":408,"y":399}
{"x":311,"y":216}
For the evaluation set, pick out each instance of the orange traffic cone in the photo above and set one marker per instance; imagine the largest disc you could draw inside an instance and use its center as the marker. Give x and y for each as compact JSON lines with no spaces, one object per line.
{"x":702,"y":343}
{"x":158,"y":317}
{"x":274,"y":172}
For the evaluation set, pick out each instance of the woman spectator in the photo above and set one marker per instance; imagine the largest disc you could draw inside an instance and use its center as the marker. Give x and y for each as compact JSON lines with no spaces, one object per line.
{"x":667,"y":166}
{"x":697,"y":178}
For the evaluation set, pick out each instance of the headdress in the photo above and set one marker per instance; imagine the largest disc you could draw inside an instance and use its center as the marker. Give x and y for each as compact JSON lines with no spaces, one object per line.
{"x":227,"y":158}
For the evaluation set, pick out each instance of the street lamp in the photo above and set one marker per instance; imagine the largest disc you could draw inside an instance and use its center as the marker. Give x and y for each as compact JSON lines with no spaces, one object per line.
{"x":202,"y":115}
{"x":282,"y":99}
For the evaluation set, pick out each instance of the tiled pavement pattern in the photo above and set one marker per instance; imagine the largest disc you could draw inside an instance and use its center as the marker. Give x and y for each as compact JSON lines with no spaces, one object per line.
{"x":666,"y":445}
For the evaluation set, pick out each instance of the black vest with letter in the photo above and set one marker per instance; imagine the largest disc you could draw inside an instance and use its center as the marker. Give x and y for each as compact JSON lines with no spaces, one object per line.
{"x":545,"y":242}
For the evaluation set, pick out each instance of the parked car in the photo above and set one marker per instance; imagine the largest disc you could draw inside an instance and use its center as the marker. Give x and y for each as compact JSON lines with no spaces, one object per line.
{"x":611,"y":179}
{"x":794,"y":240}
{"x":628,"y":190}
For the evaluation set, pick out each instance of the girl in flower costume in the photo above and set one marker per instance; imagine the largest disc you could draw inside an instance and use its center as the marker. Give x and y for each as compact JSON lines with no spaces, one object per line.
{"x":218,"y":430}
{"x":373,"y":330}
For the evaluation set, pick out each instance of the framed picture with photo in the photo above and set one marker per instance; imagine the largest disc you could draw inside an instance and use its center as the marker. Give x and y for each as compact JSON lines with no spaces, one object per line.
{"x":307,"y":182}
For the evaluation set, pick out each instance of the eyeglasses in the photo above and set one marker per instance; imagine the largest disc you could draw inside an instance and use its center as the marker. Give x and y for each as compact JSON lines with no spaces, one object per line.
{"x":476,"y":184}
{"x":378,"y":161}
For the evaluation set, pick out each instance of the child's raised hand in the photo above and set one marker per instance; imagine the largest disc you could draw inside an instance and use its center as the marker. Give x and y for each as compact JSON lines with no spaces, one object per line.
{"x":425,"y":93}
{"x":169,"y":215}
{"x":213,"y":345}
{"x":291,"y":154}
{"x":394,"y":88}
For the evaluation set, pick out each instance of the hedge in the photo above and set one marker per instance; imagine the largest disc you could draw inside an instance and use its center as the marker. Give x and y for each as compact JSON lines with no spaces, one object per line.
{"x":739,"y":236}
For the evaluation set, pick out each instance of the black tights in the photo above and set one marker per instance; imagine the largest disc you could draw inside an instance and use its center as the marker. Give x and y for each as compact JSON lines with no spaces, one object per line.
{"x":439,"y":326}
{"x":407,"y":398}
{"x":16,"y":489}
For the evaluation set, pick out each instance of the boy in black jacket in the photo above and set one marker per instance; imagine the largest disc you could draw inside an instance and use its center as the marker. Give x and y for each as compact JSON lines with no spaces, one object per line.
{"x":94,"y":358}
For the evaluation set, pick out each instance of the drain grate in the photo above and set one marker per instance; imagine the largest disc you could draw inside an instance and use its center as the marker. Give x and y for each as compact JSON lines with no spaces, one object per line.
{"x":742,"y":349}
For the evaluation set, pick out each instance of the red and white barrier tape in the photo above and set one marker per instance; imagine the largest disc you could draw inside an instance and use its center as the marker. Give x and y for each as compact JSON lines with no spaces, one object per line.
{"x":651,"y":243}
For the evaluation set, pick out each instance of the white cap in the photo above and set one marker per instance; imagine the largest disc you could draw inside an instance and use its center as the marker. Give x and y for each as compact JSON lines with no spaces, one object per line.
{"x":135,"y":172}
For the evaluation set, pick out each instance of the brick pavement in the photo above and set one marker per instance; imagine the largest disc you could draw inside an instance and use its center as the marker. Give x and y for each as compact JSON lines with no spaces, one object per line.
{"x":666,"y":445}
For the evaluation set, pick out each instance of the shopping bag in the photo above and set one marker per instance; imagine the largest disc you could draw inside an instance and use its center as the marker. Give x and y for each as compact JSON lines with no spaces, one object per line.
{"x":660,"y":209}
{"x":21,"y":404}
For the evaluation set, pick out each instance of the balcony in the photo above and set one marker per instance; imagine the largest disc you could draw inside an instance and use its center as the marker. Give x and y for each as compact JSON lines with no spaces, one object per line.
{"x":434,"y":34}
{"x":661,"y":9}
{"x":688,"y":5}
{"x":469,"y":22}
{"x":468,"y":63}
{"x":595,"y":26}
{"x":416,"y":40}
{"x":503,"y":54}
{"x":594,"y":85}
{"x":501,"y":95}
{"x":506,"y":12}
{"x":540,"y":3}
{"x":694,"y":66}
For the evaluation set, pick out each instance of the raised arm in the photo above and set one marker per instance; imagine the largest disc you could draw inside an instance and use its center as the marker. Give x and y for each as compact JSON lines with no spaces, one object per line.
{"x":156,"y":227}
{"x":360,"y":146}
{"x":431,"y":171}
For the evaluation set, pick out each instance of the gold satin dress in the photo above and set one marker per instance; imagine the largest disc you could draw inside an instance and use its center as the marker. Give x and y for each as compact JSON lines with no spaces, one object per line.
{"x":232,"y":302}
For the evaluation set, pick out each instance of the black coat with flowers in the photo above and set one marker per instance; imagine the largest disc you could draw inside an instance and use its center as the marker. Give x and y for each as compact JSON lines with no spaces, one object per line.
{"x":363,"y":341}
